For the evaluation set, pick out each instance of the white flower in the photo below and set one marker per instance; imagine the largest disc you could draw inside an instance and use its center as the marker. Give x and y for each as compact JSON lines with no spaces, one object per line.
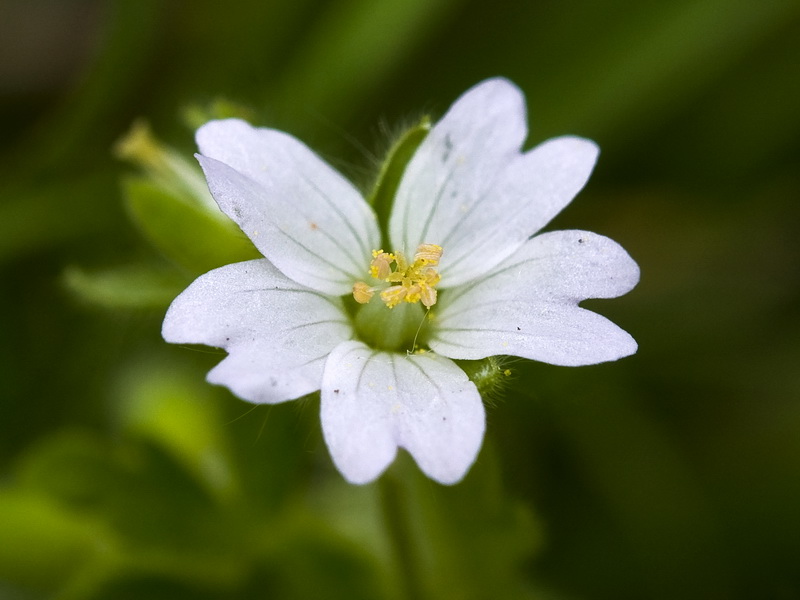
{"x":468,"y":205}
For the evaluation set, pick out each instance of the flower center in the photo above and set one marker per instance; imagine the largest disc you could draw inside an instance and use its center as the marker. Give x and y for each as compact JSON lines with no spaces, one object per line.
{"x":410,"y":282}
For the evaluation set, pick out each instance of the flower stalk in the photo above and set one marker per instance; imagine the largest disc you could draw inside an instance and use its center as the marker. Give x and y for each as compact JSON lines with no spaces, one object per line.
{"x":397,"y":520}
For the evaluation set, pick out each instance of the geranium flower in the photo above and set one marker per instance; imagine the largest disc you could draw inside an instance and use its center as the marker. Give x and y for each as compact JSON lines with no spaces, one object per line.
{"x":376,"y":324}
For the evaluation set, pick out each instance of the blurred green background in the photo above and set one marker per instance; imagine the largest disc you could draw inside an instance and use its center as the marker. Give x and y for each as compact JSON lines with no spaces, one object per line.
{"x":671,"y":474}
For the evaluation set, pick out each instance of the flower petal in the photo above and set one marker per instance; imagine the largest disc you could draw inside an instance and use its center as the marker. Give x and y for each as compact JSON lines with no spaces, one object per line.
{"x":534,"y":188}
{"x":277,"y":333}
{"x":528,"y":306}
{"x":470,"y":190}
{"x":373,"y":402}
{"x":300,"y":213}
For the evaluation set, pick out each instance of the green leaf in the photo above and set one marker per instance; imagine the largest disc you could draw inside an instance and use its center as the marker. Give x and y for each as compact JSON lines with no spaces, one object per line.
{"x":176,"y":410}
{"x":353,"y":47}
{"x":48,"y":214}
{"x":681,"y":48}
{"x":303,"y":557}
{"x":183,"y":231}
{"x":125,"y":287}
{"x":161,"y":518}
{"x":43,"y":544}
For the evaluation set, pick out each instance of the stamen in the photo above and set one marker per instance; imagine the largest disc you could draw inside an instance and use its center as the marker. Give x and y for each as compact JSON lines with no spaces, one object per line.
{"x":392,"y":296}
{"x":362,"y":292}
{"x":428,"y":296}
{"x":413,"y":282}
{"x":381,"y":265}
{"x":430,"y":253}
{"x":413,"y":293}
{"x":402,"y":263}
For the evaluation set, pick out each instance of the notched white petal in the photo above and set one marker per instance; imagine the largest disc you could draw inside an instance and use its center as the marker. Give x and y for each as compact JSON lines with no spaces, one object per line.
{"x":528,"y":305}
{"x":277,"y":332}
{"x":300,"y":213}
{"x":470,"y":189}
{"x":458,"y":163}
{"x":374,"y":402}
{"x":555,"y":334}
{"x":531,"y":190}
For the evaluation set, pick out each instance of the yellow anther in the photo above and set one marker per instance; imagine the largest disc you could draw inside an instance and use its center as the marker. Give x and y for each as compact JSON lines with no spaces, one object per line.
{"x":413,"y":293}
{"x":392,"y":296}
{"x":428,"y":296}
{"x":362,"y":292}
{"x":413,"y":282}
{"x":431,"y":276}
{"x":381,"y":265}
{"x":430,"y":253}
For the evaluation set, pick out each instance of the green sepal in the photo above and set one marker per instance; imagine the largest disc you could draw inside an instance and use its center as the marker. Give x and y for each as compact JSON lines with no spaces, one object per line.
{"x":381,"y":198}
{"x":489,"y":375}
{"x":185,"y":232}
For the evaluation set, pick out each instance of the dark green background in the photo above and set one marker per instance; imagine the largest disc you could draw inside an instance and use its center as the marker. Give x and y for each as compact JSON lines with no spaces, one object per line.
{"x":671,"y":474}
